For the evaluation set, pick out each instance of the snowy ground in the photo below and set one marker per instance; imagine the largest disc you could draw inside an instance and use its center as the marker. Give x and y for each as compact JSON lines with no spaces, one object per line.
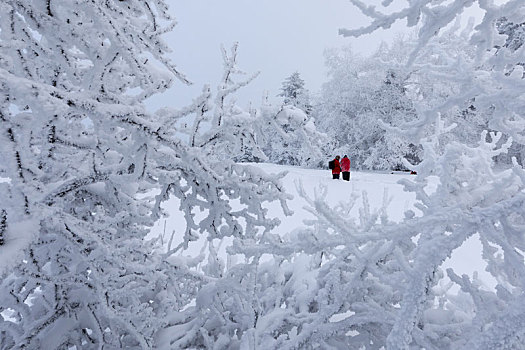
{"x":465,"y":260}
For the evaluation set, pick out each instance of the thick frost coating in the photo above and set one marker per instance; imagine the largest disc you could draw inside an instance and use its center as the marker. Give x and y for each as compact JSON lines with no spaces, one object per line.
{"x":84,"y":161}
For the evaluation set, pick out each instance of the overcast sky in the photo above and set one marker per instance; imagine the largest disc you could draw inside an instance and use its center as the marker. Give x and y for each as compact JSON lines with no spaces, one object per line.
{"x":276,"y":37}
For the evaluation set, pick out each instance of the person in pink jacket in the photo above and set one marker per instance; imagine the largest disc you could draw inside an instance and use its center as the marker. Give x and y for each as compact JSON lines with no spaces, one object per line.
{"x":345,"y":168}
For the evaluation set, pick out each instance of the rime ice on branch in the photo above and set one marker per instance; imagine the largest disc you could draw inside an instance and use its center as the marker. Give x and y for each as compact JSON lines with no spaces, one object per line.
{"x":83,"y":158}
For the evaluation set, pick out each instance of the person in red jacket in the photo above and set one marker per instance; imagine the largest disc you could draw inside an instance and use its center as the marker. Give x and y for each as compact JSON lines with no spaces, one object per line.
{"x":337,"y":168}
{"x":345,"y":168}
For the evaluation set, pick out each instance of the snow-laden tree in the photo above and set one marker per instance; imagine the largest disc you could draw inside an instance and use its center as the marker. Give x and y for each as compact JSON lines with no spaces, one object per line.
{"x":367,"y":104}
{"x":87,"y":169}
{"x":288,"y":136}
{"x":294,"y":93}
{"x":390,"y":107}
{"x":361,"y":100}
{"x":341,"y":96}
{"x":429,"y":90}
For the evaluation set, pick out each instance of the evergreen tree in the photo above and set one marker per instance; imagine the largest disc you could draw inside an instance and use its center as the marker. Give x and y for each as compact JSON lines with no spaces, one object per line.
{"x":295,"y":94}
